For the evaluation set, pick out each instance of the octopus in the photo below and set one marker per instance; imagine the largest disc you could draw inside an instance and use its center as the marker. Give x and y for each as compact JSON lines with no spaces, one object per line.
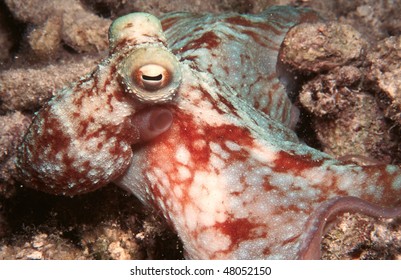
{"x":188,"y":113}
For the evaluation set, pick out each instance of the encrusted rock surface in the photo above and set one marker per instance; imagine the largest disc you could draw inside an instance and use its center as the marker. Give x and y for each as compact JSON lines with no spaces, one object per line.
{"x":12,"y":127}
{"x":339,"y":68}
{"x":362,"y":237}
{"x":26,"y":89}
{"x":319,"y":47}
{"x":55,"y":21}
{"x":385,"y":74}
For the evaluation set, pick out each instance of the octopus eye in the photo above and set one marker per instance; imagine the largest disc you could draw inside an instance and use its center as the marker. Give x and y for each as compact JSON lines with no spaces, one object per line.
{"x":151,"y":74}
{"x":152,"y":77}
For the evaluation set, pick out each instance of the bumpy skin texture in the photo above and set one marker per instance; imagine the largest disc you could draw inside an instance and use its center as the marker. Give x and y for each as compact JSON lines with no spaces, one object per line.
{"x":81,"y":140}
{"x":229,"y":174}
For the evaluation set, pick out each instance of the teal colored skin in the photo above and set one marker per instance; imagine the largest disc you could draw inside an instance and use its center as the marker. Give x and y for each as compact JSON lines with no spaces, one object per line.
{"x":224,"y":167}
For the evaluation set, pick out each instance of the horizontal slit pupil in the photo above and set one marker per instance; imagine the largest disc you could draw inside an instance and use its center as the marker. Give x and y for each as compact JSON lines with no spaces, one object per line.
{"x":152,"y":78}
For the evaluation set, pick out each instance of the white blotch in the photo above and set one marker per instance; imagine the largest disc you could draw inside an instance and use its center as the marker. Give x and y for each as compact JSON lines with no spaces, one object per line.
{"x":182,"y":155}
{"x":124,"y":146}
{"x":178,"y":191}
{"x":183,"y":173}
{"x":375,"y":191}
{"x":203,"y":107}
{"x":233,"y":146}
{"x":196,"y":95}
{"x":217,"y":162}
{"x":251,"y":249}
{"x":162,"y":178}
{"x":282,"y":180}
{"x":208,"y":193}
{"x":152,"y":178}
{"x":392,"y":169}
{"x":216,"y":148}
{"x":317,"y":176}
{"x":199,"y":144}
{"x":396,"y":185}
{"x":232,"y":174}
{"x":302,"y":183}
{"x":120,"y":161}
{"x":302,"y":205}
{"x":214,"y":240}
{"x":237,"y":204}
{"x":263,"y":153}
{"x":109,"y":171}
{"x":256,"y":177}
{"x":350,"y":181}
{"x":51,"y":168}
{"x":92,"y":143}
{"x":206,"y":220}
{"x":59,"y":156}
{"x":191,"y":217}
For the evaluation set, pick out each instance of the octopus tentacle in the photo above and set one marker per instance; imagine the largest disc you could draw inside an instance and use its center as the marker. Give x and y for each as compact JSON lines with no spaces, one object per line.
{"x":329,"y":210}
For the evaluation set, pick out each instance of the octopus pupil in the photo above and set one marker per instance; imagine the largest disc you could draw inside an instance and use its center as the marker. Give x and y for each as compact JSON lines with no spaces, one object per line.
{"x":152,"y":78}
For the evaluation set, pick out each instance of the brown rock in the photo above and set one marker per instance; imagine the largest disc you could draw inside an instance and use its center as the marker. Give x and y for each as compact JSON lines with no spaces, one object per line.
{"x":319,"y":47}
{"x":26,"y":89}
{"x":385,"y":74}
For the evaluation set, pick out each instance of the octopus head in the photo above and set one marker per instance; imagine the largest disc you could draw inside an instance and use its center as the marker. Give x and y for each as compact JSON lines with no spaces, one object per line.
{"x":81,"y":140}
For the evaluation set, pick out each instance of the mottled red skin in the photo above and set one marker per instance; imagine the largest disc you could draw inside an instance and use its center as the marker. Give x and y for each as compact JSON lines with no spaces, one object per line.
{"x":170,"y":191}
{"x":157,"y":166}
{"x":229,"y":175}
{"x":58,"y":142}
{"x":81,"y":139}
